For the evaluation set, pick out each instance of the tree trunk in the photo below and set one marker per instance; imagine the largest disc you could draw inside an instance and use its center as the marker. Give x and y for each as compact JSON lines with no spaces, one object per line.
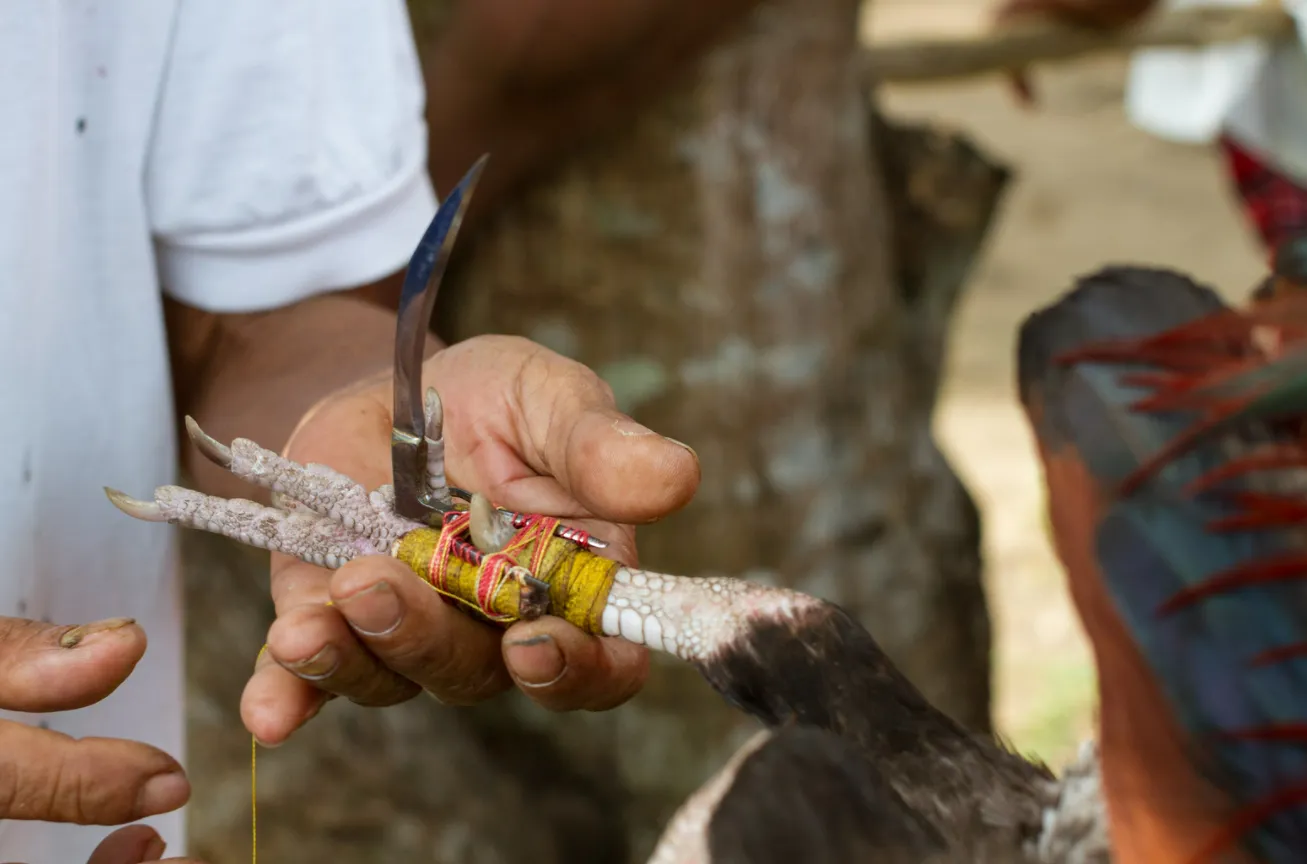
{"x":729,"y":267}
{"x":764,"y":269}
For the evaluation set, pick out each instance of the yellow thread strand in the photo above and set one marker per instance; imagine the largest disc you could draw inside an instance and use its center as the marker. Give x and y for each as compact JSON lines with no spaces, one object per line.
{"x":254,"y":785}
{"x":254,"y":800}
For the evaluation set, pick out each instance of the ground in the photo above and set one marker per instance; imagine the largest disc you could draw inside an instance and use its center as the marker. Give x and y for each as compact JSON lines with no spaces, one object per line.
{"x":1090,"y":190}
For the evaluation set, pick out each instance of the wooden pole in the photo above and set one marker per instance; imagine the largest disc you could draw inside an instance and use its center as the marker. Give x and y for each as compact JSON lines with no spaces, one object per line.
{"x":1017,"y":47}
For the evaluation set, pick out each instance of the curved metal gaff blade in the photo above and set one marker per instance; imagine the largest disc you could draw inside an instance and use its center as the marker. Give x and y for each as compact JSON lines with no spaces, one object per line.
{"x":421,"y":284}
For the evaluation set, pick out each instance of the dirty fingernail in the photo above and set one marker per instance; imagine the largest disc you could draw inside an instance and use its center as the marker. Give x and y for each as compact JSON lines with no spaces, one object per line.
{"x":374,"y":611}
{"x":154,"y":849}
{"x":536,"y":661}
{"x":162,"y":794}
{"x":318,"y":666}
{"x":77,"y":635}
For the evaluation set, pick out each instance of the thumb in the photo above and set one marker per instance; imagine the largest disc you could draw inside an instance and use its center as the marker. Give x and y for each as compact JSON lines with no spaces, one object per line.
{"x":620,"y":470}
{"x":135,"y":844}
{"x":53,"y":668}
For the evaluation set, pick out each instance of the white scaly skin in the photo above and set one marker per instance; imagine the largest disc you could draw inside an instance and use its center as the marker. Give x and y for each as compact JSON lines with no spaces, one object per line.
{"x":692,"y":617}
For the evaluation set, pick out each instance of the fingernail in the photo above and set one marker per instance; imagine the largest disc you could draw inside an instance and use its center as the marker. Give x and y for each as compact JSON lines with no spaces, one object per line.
{"x":693,"y":452}
{"x":154,"y":849}
{"x":536,"y":661}
{"x":162,"y":794}
{"x":374,"y":611}
{"x":629,"y":428}
{"x":265,"y":745}
{"x":318,"y":666}
{"x":77,"y":635}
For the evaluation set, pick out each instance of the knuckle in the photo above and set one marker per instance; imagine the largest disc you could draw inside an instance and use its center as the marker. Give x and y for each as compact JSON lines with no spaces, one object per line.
{"x":8,"y":783}
{"x":45,"y":782}
{"x":20,"y":633}
{"x":487,"y":681}
{"x":377,"y":688}
{"x":68,"y":794}
{"x":455,"y":678}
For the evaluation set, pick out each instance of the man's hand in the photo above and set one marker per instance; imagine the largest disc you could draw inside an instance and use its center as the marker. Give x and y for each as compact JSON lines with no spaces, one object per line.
{"x":49,"y":777}
{"x":536,"y":433}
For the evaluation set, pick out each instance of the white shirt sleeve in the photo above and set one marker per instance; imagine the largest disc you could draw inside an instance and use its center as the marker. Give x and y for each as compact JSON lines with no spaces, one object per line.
{"x":288,"y":156}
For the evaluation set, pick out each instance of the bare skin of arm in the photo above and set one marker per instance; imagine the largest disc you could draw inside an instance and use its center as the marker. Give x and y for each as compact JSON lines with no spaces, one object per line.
{"x":258,"y":374}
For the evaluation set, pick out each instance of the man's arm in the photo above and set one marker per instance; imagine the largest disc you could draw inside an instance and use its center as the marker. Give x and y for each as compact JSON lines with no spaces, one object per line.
{"x":255,"y":375}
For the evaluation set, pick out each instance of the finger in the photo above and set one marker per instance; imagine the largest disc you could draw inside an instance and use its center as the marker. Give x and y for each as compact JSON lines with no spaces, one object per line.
{"x":60,"y":668}
{"x":618,"y":469}
{"x":557,"y":418}
{"x":134,"y":844}
{"x":297,"y":583}
{"x":564,"y":669}
{"x":275,"y":703}
{"x":351,"y":433}
{"x":598,"y":462}
{"x":50,"y":777}
{"x":316,"y":644}
{"x":410,"y":628}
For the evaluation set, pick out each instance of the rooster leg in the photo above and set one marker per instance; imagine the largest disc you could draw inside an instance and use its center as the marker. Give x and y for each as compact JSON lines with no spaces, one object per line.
{"x":318,"y":515}
{"x":324,"y":517}
{"x":308,"y":536}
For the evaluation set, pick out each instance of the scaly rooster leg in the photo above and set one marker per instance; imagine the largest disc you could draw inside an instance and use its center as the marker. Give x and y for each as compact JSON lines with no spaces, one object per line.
{"x":319,"y":515}
{"x":334,"y":520}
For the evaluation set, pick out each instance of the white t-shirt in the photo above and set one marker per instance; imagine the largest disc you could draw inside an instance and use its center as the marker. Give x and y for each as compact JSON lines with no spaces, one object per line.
{"x":1255,"y":93}
{"x":239,"y":154}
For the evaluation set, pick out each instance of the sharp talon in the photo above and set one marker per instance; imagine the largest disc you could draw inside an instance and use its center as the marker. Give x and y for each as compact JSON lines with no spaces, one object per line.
{"x":489,"y":529}
{"x":144,"y":510}
{"x":217,"y":453}
{"x":435,"y":414}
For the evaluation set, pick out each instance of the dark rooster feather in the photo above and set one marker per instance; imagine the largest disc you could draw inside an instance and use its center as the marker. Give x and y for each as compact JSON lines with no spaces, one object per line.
{"x":1187,"y":416}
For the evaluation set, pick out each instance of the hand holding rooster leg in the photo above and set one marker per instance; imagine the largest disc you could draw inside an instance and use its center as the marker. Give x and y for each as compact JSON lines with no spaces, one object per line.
{"x":533,"y":430}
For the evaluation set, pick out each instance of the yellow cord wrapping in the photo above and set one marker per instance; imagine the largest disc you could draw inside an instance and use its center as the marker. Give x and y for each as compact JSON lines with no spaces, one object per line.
{"x":579,"y":581}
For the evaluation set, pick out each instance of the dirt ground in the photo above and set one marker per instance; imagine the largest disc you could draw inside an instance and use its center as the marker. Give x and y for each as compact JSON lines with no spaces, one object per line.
{"x":1090,"y":190}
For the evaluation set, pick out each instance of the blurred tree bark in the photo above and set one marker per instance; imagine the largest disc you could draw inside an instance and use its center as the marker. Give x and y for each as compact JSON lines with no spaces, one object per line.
{"x":763,"y":268}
